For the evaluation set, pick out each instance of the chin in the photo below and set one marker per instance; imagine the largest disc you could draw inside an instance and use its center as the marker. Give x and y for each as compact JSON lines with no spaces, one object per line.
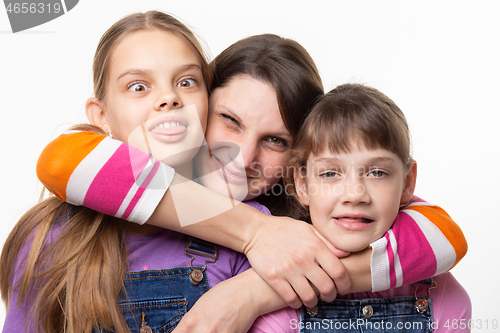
{"x":351,"y":246}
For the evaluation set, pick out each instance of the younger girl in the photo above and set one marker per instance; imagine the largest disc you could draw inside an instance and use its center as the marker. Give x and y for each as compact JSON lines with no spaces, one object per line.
{"x":354,"y":172}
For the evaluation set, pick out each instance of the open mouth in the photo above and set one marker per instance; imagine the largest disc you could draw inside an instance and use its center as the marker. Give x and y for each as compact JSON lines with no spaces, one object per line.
{"x":168,"y":128}
{"x":354,"y":219}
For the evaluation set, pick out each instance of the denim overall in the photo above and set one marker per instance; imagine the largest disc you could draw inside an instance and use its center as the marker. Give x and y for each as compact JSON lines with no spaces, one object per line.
{"x":156,"y":300}
{"x":396,"y":314}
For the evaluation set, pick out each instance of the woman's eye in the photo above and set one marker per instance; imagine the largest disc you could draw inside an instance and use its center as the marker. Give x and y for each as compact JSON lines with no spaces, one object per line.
{"x":377,"y":173}
{"x":276,"y":144}
{"x":277,"y":141}
{"x":231,"y":119}
{"x":186,"y":83}
{"x":138,"y":87}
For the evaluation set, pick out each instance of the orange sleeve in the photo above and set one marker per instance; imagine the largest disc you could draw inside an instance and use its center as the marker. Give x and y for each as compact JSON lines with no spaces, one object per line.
{"x":61,"y":157}
{"x":448,"y":227}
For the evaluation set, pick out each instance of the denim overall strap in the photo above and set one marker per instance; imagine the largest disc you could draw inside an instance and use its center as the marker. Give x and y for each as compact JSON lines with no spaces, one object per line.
{"x":395,"y":314}
{"x":208,"y":251}
{"x":155,"y":301}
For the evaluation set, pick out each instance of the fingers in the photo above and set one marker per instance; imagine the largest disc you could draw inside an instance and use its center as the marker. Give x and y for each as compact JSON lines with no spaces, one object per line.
{"x":337,"y":272}
{"x":324,"y":285}
{"x":305,"y":286}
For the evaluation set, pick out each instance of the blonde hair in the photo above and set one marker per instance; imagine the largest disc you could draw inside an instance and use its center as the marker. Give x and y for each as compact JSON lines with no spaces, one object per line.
{"x":140,"y":22}
{"x":74,"y":270}
{"x":71,"y":283}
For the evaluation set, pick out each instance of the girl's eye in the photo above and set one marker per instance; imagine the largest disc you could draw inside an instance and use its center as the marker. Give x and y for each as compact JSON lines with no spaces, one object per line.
{"x":329,"y":174}
{"x":138,"y":87}
{"x":186,"y":83}
{"x":377,"y":173}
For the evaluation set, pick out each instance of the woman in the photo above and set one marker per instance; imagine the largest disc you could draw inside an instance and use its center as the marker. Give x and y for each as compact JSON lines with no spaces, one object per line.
{"x":262,"y":90}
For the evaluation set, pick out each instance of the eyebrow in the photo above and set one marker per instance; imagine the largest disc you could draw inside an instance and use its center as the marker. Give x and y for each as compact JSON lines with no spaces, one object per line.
{"x":146,"y":72}
{"x":134,"y":72}
{"x":185,"y":68}
{"x":371,"y":161}
{"x":280,"y":134}
{"x":376,"y":160}
{"x":328,"y":160}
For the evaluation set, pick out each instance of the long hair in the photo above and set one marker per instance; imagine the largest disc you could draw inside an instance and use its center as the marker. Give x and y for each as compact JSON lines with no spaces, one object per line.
{"x":289,"y":69}
{"x":72,"y":276}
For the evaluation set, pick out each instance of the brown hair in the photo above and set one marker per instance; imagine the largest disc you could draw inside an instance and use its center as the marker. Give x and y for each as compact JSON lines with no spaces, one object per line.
{"x":285,"y":65}
{"x":348,"y":114}
{"x":71,"y":280}
{"x":139,"y":22}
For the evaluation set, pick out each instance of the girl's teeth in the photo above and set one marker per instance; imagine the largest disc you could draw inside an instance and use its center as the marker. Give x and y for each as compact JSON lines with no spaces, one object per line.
{"x":168,"y":125}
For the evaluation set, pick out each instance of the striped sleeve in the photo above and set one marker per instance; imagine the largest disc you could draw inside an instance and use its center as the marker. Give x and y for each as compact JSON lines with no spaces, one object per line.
{"x":423,"y":242}
{"x":109,"y":176}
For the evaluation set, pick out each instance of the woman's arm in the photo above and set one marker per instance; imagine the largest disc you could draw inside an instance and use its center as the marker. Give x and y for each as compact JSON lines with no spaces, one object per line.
{"x":220,"y":311}
{"x":93,"y":170}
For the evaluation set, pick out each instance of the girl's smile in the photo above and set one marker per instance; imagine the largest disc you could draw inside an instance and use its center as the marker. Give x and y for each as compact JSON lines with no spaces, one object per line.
{"x":353,"y":197}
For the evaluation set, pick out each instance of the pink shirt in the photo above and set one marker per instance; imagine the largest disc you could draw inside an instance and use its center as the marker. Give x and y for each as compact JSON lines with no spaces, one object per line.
{"x":450,"y":304}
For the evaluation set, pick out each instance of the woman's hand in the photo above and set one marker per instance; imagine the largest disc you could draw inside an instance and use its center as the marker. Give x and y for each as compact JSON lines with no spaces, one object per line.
{"x":290,"y":257}
{"x":231,"y":306}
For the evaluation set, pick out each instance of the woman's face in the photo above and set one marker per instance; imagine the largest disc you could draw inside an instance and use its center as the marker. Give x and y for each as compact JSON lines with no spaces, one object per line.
{"x":247,"y":137}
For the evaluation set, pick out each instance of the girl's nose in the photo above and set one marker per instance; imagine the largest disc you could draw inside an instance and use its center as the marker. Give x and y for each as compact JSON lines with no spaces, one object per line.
{"x":167,"y":99}
{"x":354,"y":191}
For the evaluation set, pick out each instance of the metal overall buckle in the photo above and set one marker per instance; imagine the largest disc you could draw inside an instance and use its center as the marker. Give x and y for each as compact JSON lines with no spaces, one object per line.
{"x":421,"y":304}
{"x":201,"y":248}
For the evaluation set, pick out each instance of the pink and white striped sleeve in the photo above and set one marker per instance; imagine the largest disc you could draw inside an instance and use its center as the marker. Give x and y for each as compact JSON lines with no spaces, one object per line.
{"x":423,"y":242}
{"x":109,"y":176}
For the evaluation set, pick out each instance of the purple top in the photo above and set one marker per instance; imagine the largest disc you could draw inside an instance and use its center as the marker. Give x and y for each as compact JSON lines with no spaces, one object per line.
{"x":158,"y":251}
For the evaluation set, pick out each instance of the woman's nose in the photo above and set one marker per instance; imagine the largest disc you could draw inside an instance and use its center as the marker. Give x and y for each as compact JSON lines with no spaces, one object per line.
{"x":249,"y":153}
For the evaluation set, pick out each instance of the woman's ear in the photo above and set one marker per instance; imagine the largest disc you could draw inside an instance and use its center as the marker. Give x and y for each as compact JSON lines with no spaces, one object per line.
{"x":410,"y":183}
{"x":301,"y":185}
{"x":95,"y":114}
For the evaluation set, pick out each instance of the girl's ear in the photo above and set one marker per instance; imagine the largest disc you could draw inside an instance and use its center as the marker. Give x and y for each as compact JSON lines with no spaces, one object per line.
{"x":95,"y":114}
{"x":410,"y":183}
{"x":301,"y":186}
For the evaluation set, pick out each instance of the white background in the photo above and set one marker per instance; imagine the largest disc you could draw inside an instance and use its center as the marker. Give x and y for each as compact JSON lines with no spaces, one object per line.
{"x":439,"y":61}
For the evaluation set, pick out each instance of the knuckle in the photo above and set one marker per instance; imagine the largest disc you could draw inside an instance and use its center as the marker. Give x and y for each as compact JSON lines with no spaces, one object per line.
{"x":309,"y":298}
{"x":328,"y":287}
{"x":330,"y":296}
{"x":272,"y":274}
{"x":339,"y":272}
{"x":291,"y":299}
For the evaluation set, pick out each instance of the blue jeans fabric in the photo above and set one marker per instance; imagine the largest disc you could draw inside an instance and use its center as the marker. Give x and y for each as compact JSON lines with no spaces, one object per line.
{"x":397,"y":314}
{"x":160,"y":298}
